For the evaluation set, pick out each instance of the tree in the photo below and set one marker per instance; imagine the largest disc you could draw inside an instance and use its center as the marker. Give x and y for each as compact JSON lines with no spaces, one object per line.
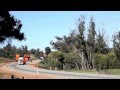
{"x":62,"y":44}
{"x":37,"y":53}
{"x":91,"y":42}
{"x":101,"y":46}
{"x":75,"y":42}
{"x":25,"y":49}
{"x":57,"y":56}
{"x":41,"y":53}
{"x":8,"y":51}
{"x":86,"y":51}
{"x":32,"y":51}
{"x":81,"y":43}
{"x":72,"y":61}
{"x":116,"y":45}
{"x":47,"y":50}
{"x":10,"y":27}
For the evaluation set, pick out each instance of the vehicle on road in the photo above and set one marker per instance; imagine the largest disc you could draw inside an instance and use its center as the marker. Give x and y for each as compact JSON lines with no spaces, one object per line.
{"x":23,"y":59}
{"x":17,"y":57}
{"x":20,"y":61}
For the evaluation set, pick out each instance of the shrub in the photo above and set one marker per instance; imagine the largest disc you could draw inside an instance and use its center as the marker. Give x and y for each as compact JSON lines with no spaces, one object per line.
{"x":106,"y":61}
{"x":71,"y":61}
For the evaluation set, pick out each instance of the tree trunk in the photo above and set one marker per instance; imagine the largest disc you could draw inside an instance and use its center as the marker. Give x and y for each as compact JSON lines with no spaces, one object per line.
{"x":93,"y":62}
{"x":76,"y":64}
{"x":82,"y":60}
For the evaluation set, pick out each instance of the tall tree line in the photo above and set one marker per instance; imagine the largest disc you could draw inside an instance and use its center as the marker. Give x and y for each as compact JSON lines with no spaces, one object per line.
{"x":86,"y":47}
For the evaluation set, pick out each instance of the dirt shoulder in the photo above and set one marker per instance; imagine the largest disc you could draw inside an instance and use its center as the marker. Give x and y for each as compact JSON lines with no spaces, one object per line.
{"x":6,"y":73}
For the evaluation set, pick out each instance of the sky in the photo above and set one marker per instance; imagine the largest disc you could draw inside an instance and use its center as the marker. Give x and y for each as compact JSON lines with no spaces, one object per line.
{"x":40,"y":27}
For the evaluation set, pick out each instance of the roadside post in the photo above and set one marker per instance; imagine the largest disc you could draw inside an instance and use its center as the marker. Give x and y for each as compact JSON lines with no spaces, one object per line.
{"x":37,"y":71}
{"x":12,"y":76}
{"x":50,"y":68}
{"x":55,"y":69}
{"x":12,"y":68}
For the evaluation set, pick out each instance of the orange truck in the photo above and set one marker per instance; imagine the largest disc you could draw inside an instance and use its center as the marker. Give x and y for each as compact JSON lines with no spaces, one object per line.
{"x":25,"y":59}
{"x":17,"y":57}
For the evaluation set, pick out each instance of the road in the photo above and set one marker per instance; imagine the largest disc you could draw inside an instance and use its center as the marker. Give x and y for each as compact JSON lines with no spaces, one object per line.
{"x":61,"y":74}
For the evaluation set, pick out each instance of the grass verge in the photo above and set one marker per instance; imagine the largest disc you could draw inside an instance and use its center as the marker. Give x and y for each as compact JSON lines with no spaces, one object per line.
{"x":111,"y":71}
{"x":83,"y":71}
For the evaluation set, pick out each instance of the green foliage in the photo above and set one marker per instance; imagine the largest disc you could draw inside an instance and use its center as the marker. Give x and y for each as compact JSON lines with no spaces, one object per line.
{"x":79,"y":50}
{"x":100,"y":44}
{"x":116,"y":45}
{"x":47,"y":63}
{"x":57,"y":57}
{"x":86,"y":53}
{"x":112,"y":71}
{"x":91,"y":43}
{"x":10,"y":27}
{"x":36,"y":52}
{"x":72,"y":60}
{"x":47,"y":50}
{"x":50,"y":63}
{"x":8,"y":51}
{"x":106,"y":61}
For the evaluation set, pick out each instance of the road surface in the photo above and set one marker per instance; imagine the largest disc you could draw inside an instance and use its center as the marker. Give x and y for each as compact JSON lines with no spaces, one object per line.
{"x":61,"y":74}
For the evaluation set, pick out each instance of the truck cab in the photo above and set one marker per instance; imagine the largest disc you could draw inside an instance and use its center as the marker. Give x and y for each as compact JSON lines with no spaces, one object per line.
{"x":21,"y":61}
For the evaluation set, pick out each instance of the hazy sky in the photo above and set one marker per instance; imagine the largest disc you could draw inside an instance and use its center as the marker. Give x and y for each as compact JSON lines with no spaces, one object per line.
{"x":40,"y":27}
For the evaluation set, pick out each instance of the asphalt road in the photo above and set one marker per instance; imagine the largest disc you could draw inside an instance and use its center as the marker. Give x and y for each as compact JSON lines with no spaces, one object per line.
{"x":62,"y":74}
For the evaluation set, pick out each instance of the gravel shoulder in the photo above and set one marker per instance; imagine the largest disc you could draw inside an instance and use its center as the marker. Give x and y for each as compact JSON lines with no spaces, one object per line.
{"x":7,"y":72}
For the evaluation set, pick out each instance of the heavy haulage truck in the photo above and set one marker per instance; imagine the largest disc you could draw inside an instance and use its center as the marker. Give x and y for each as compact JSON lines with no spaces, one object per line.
{"x":22,"y":59}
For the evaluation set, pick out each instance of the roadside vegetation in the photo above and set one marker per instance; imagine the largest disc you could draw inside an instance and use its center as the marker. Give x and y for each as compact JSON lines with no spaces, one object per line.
{"x":8,"y":52}
{"x":93,"y":71}
{"x":4,"y":60}
{"x":85,"y":50}
{"x":111,"y":71}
